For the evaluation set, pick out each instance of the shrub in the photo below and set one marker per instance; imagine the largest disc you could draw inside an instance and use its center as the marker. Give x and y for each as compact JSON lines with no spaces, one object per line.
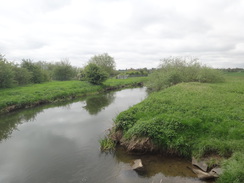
{"x":174,"y":70}
{"x":105,"y":61}
{"x":208,"y":75}
{"x":38,"y":75}
{"x":95,"y":74}
{"x":6,"y":73}
{"x":21,"y":75}
{"x":63,"y":71}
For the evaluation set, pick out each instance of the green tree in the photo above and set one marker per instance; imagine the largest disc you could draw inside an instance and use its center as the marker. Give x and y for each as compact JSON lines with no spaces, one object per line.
{"x":63,"y":71}
{"x":95,"y":74}
{"x":47,"y":68}
{"x":38,"y":75}
{"x":21,"y":75}
{"x":104,"y":61}
{"x":6,"y":73}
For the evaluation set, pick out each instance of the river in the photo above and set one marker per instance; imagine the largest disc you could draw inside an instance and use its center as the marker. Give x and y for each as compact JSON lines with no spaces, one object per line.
{"x":59,"y":143}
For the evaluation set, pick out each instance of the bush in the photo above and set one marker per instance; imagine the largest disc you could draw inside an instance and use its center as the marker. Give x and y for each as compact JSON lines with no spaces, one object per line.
{"x":6,"y":73}
{"x":38,"y":75}
{"x":63,"y":71}
{"x":174,"y":70}
{"x":208,"y":75}
{"x":95,"y":74}
{"x":21,"y":75}
{"x":104,"y":61}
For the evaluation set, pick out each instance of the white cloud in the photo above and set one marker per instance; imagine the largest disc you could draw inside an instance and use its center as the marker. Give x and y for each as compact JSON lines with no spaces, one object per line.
{"x":136,"y":33}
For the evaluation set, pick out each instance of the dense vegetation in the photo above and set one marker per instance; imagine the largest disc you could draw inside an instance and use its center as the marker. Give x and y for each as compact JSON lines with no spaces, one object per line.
{"x":98,"y":69}
{"x":193,"y":119}
{"x":32,"y":83}
{"x":95,"y":74}
{"x":175,"y":70}
{"x":34,"y":94}
{"x":105,"y":62}
{"x":29,"y":72}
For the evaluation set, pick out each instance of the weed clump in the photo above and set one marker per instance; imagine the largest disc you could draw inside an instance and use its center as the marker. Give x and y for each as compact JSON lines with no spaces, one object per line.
{"x":107,"y":144}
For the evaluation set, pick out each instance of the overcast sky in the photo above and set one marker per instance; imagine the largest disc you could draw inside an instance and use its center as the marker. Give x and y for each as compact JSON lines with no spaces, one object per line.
{"x":137,"y":33}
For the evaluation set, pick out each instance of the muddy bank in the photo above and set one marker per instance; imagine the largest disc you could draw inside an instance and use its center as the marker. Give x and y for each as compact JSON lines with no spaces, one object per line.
{"x":206,"y":168}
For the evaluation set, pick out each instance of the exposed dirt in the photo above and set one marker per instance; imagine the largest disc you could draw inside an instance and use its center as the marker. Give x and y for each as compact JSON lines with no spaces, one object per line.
{"x":139,"y":144}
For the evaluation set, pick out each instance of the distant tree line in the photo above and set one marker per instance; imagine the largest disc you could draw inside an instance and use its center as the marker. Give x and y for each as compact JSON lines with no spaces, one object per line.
{"x":137,"y":72}
{"x":98,"y":69}
{"x":232,"y":70}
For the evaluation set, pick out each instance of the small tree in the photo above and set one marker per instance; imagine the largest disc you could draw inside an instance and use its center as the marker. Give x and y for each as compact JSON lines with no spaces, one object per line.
{"x":63,"y":71}
{"x":38,"y":75}
{"x":21,"y":75}
{"x":6,"y":73}
{"x":104,"y":61}
{"x":95,"y":74}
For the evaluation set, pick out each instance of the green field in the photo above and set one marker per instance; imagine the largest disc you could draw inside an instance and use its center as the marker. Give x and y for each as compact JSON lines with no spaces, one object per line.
{"x":192,"y":119}
{"x":35,"y":94}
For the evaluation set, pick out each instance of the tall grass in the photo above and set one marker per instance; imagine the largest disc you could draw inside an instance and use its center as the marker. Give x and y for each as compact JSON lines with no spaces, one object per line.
{"x":192,"y":118}
{"x":107,"y":144}
{"x":233,"y":169}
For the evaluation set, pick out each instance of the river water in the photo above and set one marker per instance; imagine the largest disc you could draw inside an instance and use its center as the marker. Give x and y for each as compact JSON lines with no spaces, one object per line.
{"x":59,"y":143}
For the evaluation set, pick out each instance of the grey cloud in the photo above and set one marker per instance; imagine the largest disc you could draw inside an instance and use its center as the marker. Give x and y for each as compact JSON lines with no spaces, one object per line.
{"x":136,"y":33}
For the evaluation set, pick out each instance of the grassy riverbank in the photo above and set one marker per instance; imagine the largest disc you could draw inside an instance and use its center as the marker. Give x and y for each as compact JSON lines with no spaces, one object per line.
{"x":190,"y":119}
{"x":32,"y":95}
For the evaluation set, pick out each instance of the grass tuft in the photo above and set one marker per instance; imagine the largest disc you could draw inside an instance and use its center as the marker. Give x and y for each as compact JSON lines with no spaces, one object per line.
{"x":107,"y":144}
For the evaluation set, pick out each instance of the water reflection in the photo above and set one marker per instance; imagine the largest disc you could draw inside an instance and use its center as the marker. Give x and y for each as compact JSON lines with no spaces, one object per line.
{"x":10,"y":121}
{"x":94,"y":104}
{"x":156,"y":163}
{"x":59,"y":144}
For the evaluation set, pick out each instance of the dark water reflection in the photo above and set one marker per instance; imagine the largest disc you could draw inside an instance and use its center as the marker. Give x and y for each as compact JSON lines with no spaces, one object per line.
{"x":94,"y":104}
{"x":59,"y":144}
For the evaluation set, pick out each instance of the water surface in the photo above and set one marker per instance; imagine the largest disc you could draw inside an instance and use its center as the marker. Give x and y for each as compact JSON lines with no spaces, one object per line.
{"x":59,"y":144}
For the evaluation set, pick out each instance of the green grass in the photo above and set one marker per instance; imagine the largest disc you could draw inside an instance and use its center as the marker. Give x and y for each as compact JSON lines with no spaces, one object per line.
{"x":238,"y":74}
{"x":233,"y":169}
{"x":129,"y":81}
{"x":191,"y":119}
{"x":106,"y":144}
{"x":31,"y":95}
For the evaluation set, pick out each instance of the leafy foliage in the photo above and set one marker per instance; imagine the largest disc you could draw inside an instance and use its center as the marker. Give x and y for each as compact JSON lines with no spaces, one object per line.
{"x":21,"y":75}
{"x":6,"y":73}
{"x":175,"y":70}
{"x":105,"y":62}
{"x":95,"y":74}
{"x":38,"y":76}
{"x":63,"y":71}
